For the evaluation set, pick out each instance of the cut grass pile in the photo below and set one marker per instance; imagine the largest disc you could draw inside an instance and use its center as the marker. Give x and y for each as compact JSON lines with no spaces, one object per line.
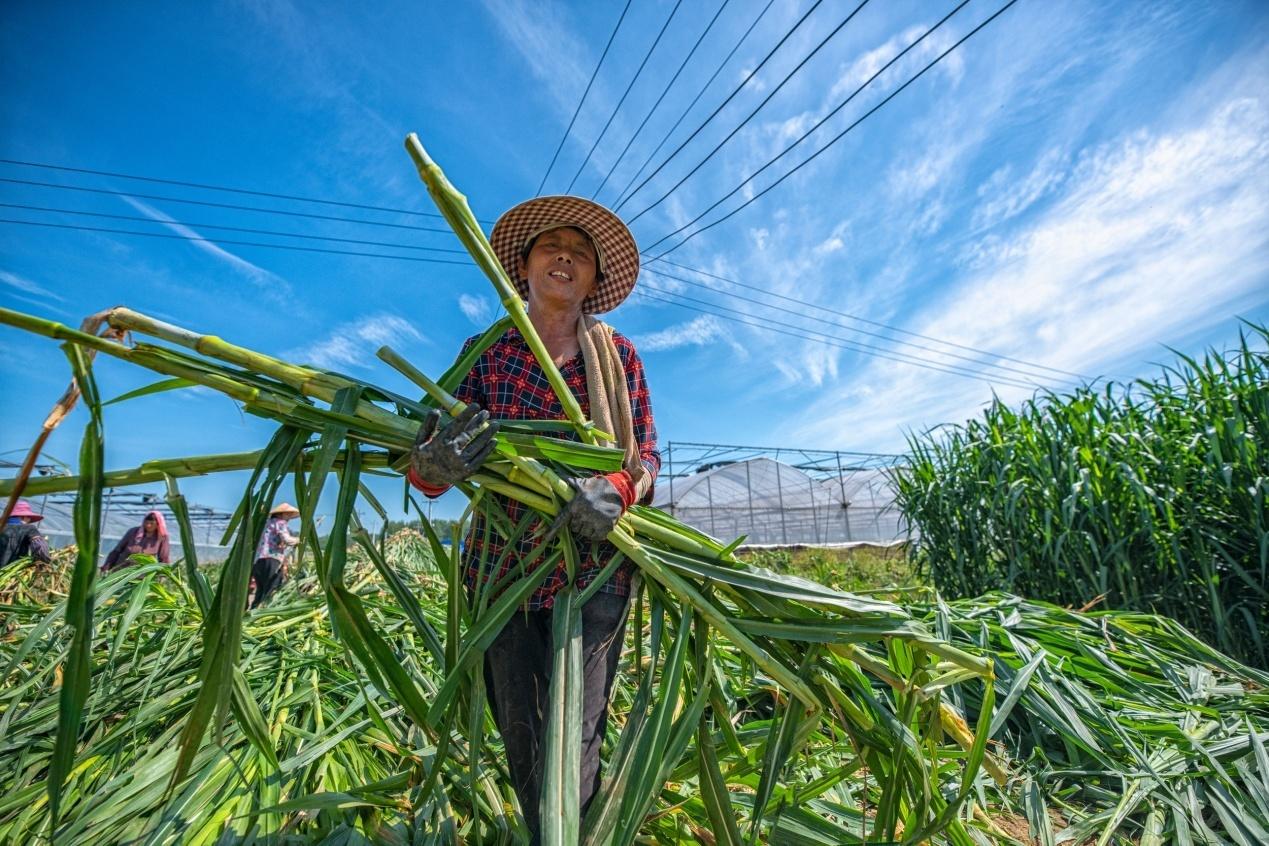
{"x":1111,"y":726}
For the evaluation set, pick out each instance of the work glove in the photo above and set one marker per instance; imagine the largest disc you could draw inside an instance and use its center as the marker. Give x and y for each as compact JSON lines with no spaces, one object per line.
{"x":456,"y":451}
{"x":597,"y":504}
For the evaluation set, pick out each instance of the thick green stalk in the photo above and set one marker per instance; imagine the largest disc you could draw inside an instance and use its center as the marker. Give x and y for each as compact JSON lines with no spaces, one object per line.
{"x":453,"y":205}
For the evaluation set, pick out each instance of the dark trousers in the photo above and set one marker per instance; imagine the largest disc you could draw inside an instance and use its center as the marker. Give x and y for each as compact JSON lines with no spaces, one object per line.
{"x":518,"y":679}
{"x":268,"y":575}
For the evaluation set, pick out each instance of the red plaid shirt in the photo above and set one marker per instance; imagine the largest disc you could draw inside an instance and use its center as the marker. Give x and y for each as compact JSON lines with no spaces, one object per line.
{"x":507,"y":381}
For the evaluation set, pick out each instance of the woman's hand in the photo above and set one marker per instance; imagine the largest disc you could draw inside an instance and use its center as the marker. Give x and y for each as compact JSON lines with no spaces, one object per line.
{"x":597,"y":504}
{"x":456,"y":451}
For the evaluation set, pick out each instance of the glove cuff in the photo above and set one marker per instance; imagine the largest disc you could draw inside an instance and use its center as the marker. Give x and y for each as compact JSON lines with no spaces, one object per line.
{"x":429,"y":490}
{"x":624,"y":483}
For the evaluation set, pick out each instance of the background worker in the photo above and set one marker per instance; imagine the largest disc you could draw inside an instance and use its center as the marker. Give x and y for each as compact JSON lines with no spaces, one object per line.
{"x":273,"y":553}
{"x":150,"y":538}
{"x":21,"y":537}
{"x":570,"y":258}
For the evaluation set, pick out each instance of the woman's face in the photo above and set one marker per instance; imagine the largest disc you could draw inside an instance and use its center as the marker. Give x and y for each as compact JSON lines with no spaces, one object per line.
{"x":561,"y":268}
{"x":149,"y":525}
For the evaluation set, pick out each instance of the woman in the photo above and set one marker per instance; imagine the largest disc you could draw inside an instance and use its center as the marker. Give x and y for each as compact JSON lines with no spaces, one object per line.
{"x":150,"y":538}
{"x":21,"y":538}
{"x":273,"y":552}
{"x":570,"y":258}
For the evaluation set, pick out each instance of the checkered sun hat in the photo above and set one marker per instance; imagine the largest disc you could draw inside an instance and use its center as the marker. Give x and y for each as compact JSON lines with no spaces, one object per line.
{"x":618,"y":254}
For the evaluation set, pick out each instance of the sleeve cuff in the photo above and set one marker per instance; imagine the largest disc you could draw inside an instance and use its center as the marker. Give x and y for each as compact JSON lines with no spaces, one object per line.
{"x":431,"y":491}
{"x":622,"y":481}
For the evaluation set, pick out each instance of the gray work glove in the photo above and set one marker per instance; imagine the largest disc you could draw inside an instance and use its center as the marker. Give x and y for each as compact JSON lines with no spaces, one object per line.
{"x":456,"y":451}
{"x":594,"y":510}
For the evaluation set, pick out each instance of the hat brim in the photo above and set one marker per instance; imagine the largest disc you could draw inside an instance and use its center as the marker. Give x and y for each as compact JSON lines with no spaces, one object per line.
{"x":611,"y":236}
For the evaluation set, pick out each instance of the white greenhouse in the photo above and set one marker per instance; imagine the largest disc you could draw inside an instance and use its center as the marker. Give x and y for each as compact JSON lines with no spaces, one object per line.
{"x":774,"y":502}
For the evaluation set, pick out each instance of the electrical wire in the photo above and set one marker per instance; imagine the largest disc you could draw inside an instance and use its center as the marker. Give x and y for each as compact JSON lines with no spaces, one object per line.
{"x":214,"y":205}
{"x":976,"y":361}
{"x":625,"y":94}
{"x":752,"y":25}
{"x":831,"y":340}
{"x":208,"y":187}
{"x":578,"y":110}
{"x":810,"y":131}
{"x":657,"y":104}
{"x":841,"y":134}
{"x":710,"y":155}
{"x":856,"y":317}
{"x":806,"y":334}
{"x":220,"y":241}
{"x":722,"y":105}
{"x":244,"y":229}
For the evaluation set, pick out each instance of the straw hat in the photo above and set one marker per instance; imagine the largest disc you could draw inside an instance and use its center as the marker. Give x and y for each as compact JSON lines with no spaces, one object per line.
{"x":24,"y":509}
{"x":617,"y":253}
{"x":286,"y":509}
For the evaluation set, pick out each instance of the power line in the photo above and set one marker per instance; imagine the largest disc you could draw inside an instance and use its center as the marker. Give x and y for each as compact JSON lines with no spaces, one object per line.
{"x":220,"y":241}
{"x":751,"y":115}
{"x":617,"y":108}
{"x":233,"y":228}
{"x":840,"y":135}
{"x":808,"y":133}
{"x":850,"y":316}
{"x":209,"y":187}
{"x":657,"y":104}
{"x":805,"y":334}
{"x":663,"y":260}
{"x":834,"y":341}
{"x":752,"y":25}
{"x":214,"y":205}
{"x":1027,"y":373}
{"x":578,"y":110}
{"x":722,"y":105}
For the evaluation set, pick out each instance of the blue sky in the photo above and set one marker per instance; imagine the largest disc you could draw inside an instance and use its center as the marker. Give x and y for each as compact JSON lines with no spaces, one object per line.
{"x":1079,"y":185}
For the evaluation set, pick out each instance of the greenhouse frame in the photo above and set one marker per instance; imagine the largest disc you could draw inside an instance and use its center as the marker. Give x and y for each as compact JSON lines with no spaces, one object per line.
{"x":781,"y":496}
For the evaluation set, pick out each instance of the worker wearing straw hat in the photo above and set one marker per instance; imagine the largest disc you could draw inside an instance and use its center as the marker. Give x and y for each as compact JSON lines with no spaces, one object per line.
{"x":273,"y":553}
{"x":570,"y":259}
{"x":21,"y":538}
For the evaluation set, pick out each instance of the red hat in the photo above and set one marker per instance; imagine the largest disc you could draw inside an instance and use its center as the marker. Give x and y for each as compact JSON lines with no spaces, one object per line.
{"x":24,"y":509}
{"x":618,"y":256}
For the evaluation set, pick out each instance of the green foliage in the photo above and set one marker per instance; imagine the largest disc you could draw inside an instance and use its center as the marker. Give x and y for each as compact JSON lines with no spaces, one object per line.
{"x":1148,"y":497}
{"x":888,"y":571}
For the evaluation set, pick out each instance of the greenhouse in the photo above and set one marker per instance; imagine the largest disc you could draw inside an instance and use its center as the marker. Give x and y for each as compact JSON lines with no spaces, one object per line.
{"x":780,"y":496}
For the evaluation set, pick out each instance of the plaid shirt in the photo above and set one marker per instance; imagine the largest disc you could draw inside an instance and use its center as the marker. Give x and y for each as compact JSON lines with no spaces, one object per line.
{"x":507,"y":381}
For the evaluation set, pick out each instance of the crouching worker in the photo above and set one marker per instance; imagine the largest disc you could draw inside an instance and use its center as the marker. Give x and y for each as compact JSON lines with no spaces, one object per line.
{"x":150,"y":538}
{"x":570,"y":258}
{"x":21,"y":538}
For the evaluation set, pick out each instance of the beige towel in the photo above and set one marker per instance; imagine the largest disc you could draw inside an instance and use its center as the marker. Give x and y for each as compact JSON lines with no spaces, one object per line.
{"x":609,"y":396}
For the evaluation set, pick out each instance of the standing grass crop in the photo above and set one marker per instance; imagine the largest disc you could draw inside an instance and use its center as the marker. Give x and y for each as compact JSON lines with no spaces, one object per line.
{"x":1150,"y":496}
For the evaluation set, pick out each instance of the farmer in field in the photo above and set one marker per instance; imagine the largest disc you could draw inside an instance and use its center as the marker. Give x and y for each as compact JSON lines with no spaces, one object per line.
{"x":273,"y":553}
{"x":21,"y":538}
{"x":150,"y":538}
{"x":570,"y":258}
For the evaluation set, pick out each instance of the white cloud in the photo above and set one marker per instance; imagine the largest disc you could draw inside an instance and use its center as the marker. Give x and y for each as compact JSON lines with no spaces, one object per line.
{"x":477,"y":309}
{"x":267,"y":280}
{"x":1155,"y":235}
{"x":701,"y":331}
{"x":555,"y":52}
{"x":353,"y":344}
{"x":26,"y":286}
{"x":1007,"y":197}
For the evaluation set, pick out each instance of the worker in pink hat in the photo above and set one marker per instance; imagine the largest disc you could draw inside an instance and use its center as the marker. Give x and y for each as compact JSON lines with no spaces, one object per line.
{"x":150,"y":538}
{"x":21,"y":538}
